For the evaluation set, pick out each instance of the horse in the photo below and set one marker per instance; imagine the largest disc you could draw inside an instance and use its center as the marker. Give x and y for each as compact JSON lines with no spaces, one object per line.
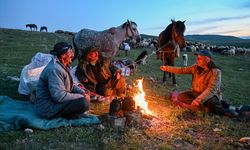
{"x":43,"y":28}
{"x":107,"y":41}
{"x":31,"y":26}
{"x":169,"y":43}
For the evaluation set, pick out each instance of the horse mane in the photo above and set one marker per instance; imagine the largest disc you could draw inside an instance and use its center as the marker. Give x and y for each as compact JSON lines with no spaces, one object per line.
{"x":127,"y":22}
{"x":180,"y":27}
{"x":166,"y":35}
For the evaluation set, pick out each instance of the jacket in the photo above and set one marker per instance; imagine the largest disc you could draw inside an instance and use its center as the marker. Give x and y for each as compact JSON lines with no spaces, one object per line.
{"x":54,"y":87}
{"x":83,"y":71}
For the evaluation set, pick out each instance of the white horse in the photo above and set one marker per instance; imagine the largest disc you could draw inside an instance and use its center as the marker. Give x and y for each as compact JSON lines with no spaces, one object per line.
{"x":107,"y":41}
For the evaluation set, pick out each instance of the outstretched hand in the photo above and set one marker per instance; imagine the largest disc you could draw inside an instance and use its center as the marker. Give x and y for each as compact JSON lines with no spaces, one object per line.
{"x":118,"y":74}
{"x":163,"y":68}
{"x":196,"y":103}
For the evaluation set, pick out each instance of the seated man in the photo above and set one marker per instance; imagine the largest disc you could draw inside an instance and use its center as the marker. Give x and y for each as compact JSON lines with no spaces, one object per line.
{"x":206,"y":82}
{"x":56,"y":95}
{"x":99,"y":75}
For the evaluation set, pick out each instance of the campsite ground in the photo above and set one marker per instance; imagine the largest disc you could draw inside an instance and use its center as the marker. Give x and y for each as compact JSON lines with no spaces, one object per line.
{"x":174,"y":128}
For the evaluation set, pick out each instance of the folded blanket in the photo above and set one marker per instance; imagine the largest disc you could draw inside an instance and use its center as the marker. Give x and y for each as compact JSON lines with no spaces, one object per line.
{"x":16,"y":114}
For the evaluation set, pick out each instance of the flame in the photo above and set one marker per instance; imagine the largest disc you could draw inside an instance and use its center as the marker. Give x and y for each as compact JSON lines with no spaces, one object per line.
{"x":140,"y":100}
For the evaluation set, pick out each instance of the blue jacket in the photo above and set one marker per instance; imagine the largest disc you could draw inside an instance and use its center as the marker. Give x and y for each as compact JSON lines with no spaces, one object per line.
{"x":55,"y":86}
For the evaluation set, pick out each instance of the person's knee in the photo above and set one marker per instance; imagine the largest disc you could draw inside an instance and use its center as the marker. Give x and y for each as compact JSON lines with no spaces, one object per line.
{"x":84,"y":104}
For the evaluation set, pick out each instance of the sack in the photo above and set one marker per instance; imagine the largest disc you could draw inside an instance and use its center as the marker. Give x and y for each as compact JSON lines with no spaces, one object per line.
{"x":30,"y":73}
{"x":73,"y":74}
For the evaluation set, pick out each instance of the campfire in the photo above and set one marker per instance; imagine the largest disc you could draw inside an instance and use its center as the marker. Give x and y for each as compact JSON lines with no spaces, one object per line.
{"x":131,"y":111}
{"x":140,"y":102}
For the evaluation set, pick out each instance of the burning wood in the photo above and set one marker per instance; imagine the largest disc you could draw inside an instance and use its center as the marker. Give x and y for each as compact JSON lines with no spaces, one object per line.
{"x":132,"y":111}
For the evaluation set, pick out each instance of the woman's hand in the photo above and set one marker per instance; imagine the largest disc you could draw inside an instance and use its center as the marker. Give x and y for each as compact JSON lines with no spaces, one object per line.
{"x":196,"y":103}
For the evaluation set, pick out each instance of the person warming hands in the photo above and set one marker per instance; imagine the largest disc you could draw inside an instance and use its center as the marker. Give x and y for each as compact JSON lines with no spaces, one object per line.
{"x":99,"y":75}
{"x":206,"y":83}
{"x":56,"y":95}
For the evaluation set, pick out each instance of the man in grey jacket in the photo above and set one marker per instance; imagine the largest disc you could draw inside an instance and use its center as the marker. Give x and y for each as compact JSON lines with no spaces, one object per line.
{"x":56,"y":95}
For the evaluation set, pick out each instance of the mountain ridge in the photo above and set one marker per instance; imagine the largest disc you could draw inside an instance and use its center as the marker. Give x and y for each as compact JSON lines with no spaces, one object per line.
{"x":210,"y":39}
{"x":213,"y":39}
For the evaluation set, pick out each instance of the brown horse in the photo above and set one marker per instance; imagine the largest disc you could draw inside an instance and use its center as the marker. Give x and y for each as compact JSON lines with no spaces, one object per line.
{"x":169,"y":43}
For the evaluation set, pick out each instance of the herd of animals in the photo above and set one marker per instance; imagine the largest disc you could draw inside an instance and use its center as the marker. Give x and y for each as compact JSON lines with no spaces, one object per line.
{"x":167,"y":46}
{"x":33,"y":27}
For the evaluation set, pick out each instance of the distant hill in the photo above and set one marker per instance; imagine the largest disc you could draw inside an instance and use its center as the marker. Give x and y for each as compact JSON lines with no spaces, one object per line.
{"x":213,"y":39}
{"x":220,"y":40}
{"x":148,"y":36}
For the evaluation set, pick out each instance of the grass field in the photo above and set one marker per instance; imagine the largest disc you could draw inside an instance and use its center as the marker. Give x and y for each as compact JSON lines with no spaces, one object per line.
{"x":175,"y":128}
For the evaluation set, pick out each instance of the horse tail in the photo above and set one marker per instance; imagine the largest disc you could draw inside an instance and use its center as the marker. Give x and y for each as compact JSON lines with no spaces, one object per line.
{"x":76,"y":49}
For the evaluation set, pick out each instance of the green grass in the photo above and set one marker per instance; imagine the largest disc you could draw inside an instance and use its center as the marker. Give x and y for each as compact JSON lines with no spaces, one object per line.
{"x":175,"y":128}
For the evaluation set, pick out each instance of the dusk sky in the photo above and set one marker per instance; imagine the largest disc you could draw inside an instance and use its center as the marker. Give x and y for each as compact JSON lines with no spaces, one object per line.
{"x":223,"y":17}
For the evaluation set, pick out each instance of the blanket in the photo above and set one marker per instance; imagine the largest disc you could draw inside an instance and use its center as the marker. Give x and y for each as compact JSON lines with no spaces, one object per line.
{"x":16,"y":114}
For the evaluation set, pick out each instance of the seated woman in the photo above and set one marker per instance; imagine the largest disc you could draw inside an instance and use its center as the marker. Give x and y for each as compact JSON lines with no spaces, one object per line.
{"x":99,"y":75}
{"x":206,"y":82}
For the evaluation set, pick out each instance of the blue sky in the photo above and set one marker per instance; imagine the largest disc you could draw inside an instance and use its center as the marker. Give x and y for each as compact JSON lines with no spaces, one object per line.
{"x":223,"y":17}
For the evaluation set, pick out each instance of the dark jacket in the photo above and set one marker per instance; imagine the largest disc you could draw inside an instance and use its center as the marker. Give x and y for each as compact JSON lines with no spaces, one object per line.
{"x":84,"y":71}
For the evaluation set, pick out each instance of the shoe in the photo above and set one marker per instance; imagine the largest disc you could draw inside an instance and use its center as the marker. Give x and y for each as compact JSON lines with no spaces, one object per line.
{"x":244,"y":110}
{"x":231,"y":113}
{"x":224,"y":104}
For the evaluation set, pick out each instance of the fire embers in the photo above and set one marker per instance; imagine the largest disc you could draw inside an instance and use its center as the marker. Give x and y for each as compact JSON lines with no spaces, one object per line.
{"x":130,"y":111}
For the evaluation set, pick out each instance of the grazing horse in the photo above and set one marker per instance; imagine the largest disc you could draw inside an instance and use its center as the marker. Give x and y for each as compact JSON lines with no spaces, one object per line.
{"x":43,"y":28}
{"x":31,"y":26}
{"x":107,"y":41}
{"x":169,"y":43}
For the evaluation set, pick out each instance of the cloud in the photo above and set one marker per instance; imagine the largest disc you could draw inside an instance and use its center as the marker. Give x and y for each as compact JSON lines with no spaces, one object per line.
{"x":227,"y":32}
{"x":203,"y":29}
{"x":211,"y":20}
{"x":211,"y":30}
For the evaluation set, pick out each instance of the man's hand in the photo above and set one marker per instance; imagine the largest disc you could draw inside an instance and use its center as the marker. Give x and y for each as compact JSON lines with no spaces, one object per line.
{"x":118,"y":74}
{"x":87,"y":96}
{"x":163,"y":68}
